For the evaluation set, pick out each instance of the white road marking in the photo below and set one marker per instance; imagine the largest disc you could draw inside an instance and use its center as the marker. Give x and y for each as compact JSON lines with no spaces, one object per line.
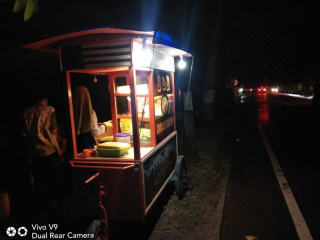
{"x":296,"y":215}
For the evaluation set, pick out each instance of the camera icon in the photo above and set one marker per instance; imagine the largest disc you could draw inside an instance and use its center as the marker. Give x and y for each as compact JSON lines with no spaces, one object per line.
{"x":22,"y":231}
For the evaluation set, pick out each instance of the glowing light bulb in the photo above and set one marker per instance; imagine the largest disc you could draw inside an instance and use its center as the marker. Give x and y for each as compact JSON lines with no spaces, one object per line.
{"x":181,"y":64}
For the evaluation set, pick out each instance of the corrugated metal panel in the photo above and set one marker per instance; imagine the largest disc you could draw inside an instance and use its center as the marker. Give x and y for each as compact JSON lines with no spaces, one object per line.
{"x":110,"y":54}
{"x":97,"y":55}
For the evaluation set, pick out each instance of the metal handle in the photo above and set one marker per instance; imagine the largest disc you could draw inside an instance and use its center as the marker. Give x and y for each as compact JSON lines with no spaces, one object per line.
{"x":101,"y":166}
{"x":121,"y":168}
{"x":92,"y":178}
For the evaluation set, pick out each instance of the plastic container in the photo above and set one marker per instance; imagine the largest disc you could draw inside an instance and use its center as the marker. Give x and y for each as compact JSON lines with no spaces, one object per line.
{"x":122,"y":137}
{"x":113,"y":149}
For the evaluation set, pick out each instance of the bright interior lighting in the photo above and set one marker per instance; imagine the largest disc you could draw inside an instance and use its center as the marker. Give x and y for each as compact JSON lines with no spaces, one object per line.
{"x":146,"y":56}
{"x":142,"y":89}
{"x":181,"y":64}
{"x":123,"y":89}
{"x":142,"y":54}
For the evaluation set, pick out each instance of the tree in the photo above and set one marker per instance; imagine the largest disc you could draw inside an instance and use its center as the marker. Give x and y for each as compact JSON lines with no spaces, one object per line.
{"x":30,"y":7}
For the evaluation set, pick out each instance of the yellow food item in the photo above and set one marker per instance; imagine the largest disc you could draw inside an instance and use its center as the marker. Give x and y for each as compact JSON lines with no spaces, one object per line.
{"x":109,"y":128}
{"x":106,"y":139}
{"x":113,"y":145}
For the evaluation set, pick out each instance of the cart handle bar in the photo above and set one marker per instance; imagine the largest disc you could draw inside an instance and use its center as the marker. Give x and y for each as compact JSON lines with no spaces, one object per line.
{"x":92,"y":178}
{"x":83,"y":165}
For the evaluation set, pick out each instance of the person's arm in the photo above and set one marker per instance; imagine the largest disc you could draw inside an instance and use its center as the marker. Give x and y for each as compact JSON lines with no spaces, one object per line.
{"x":54,"y":132}
{"x":54,"y":124}
{"x":96,"y":129}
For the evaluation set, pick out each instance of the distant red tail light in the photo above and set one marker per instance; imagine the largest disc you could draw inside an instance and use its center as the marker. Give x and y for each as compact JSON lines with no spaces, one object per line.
{"x":262,"y":89}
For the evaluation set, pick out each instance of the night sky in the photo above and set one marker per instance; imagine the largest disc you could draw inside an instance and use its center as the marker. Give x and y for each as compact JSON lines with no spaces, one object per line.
{"x":271,"y":40}
{"x":255,"y":41}
{"x":56,"y":17}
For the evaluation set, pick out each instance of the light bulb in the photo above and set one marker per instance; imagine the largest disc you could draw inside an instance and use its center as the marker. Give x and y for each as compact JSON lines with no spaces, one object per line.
{"x":181,"y":64}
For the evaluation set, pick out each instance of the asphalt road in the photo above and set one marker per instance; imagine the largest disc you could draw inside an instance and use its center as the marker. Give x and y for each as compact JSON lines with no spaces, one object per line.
{"x":268,"y":129}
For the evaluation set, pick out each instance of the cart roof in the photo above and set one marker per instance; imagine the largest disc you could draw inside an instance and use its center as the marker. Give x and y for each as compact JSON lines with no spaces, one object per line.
{"x":159,"y":40}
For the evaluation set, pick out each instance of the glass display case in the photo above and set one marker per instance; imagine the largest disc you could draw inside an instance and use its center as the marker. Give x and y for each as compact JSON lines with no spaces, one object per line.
{"x":163,"y":104}
{"x":121,"y":95}
{"x":154,"y":105}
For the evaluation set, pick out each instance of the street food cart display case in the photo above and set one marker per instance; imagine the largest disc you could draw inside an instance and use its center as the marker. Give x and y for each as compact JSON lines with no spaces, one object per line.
{"x":138,"y":68}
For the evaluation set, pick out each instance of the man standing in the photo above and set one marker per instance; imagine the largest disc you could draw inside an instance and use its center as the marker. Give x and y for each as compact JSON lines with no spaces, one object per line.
{"x":40,"y":133}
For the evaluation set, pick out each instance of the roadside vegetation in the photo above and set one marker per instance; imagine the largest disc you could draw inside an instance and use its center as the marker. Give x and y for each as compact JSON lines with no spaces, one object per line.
{"x":187,"y":218}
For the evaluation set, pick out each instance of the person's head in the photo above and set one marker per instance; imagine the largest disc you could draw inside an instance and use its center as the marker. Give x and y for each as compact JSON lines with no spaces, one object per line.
{"x":41,"y":98}
{"x":43,"y":101}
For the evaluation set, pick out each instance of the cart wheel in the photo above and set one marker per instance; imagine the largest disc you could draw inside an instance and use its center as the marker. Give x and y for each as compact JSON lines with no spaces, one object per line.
{"x":181,"y":182}
{"x":99,"y":230}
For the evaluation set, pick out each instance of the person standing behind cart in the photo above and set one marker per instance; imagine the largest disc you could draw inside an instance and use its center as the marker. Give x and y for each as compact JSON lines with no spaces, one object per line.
{"x":39,"y":130}
{"x":85,"y":118}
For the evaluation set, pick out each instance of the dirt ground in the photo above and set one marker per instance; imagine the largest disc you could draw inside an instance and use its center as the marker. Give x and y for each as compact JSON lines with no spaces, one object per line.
{"x":191,"y":217}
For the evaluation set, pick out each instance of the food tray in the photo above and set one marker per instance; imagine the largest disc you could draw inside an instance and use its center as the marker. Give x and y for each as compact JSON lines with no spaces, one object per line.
{"x":113,"y":149}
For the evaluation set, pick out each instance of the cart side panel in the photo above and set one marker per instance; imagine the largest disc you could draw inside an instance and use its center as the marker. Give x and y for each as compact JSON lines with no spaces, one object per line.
{"x":158,"y":168}
{"x":85,"y":196}
{"x":124,"y":195}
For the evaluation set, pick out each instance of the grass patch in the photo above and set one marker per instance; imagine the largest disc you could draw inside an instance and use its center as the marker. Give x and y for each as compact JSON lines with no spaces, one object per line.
{"x":203,"y":170}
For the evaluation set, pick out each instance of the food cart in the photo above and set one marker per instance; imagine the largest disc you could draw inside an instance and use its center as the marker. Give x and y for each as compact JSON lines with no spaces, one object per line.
{"x":138,"y":69}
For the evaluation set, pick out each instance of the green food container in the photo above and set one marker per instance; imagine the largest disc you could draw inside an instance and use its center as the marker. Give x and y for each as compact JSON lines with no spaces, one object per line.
{"x":113,"y":149}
